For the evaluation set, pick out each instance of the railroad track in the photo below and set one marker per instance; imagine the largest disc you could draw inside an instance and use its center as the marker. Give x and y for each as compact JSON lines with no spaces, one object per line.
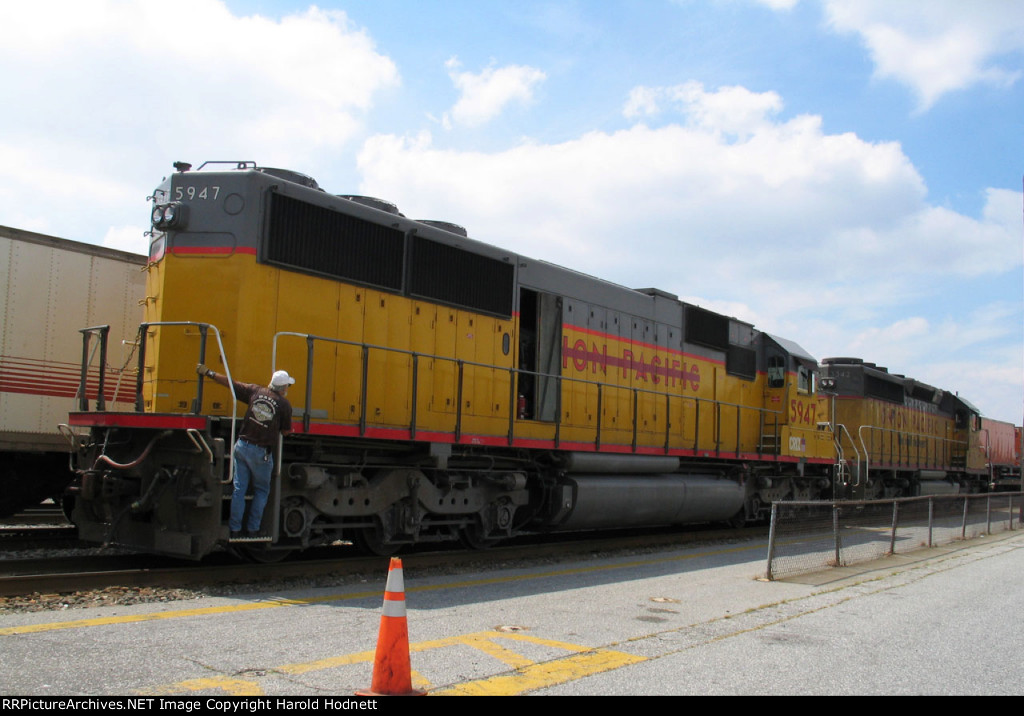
{"x":46,"y":513}
{"x":30,"y":536}
{"x":73,"y":574}
{"x":40,"y":526}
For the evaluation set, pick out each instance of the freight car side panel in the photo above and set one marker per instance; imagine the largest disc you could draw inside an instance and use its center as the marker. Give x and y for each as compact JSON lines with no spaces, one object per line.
{"x":51,"y":289}
{"x":1000,"y":442}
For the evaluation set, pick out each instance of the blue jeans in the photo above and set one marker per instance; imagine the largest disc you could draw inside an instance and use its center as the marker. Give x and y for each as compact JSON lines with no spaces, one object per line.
{"x":255,"y":465}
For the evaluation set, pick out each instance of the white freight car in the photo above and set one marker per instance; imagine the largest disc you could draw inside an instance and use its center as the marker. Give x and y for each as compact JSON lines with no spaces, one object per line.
{"x":51,"y":288}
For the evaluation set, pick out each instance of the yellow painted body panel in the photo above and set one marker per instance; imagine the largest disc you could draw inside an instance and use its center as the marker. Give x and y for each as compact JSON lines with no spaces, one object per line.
{"x":681,"y":402}
{"x":899,"y":436}
{"x":250,"y":302}
{"x":685,"y":402}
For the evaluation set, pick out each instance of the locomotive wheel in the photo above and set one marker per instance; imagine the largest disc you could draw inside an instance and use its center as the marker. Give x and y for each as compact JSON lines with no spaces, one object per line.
{"x":370,"y":541}
{"x":739,"y":520}
{"x":472,"y":538}
{"x":67,"y":506}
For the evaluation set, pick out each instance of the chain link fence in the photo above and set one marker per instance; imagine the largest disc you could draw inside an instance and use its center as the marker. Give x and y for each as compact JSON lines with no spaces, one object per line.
{"x":813,"y":536}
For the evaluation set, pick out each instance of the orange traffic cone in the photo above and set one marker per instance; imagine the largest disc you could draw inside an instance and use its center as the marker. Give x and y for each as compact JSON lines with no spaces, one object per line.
{"x":392,"y":672}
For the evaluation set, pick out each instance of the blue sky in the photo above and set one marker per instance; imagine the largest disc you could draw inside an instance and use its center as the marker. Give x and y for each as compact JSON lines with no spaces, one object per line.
{"x":844,"y":174}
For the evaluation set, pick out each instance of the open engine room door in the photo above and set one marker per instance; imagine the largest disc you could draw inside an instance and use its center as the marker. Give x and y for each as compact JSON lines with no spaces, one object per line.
{"x":540,"y":354}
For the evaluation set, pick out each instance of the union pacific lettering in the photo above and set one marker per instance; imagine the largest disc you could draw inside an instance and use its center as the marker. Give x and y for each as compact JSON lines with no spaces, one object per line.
{"x":911,"y":418}
{"x":671,"y":372}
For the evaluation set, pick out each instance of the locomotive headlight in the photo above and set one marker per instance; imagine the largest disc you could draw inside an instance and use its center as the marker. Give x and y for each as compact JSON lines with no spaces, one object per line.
{"x":169,"y":216}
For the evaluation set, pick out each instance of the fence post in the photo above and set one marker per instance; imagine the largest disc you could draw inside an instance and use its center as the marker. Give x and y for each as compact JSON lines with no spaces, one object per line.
{"x":771,"y":540}
{"x":835,"y":534}
{"x":963,"y":523}
{"x":931,"y":516}
{"x":895,"y":522}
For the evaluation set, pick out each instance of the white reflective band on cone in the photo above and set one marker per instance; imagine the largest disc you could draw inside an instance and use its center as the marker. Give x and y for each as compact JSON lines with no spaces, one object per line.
{"x":394,"y":608}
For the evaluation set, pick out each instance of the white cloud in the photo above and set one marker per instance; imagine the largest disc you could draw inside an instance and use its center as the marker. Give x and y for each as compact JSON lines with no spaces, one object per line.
{"x":733,"y":110}
{"x":486,"y":94}
{"x":127,"y":238}
{"x":120,"y":88}
{"x":818,"y":237}
{"x":779,"y":4}
{"x":936,"y":47}
{"x":758,"y":188}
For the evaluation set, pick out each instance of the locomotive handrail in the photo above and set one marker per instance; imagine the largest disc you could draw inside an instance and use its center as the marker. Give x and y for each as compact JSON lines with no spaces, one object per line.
{"x":83,"y":397}
{"x":841,"y":428}
{"x":461,"y":365}
{"x":200,"y":442}
{"x":197,"y":405}
{"x":81,"y":394}
{"x":940,"y":442}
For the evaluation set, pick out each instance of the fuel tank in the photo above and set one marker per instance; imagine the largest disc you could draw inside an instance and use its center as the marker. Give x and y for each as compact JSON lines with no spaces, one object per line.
{"x":601,"y":501}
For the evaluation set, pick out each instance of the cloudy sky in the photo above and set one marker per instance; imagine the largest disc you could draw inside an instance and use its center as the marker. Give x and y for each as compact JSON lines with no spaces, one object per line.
{"x":846,"y":174}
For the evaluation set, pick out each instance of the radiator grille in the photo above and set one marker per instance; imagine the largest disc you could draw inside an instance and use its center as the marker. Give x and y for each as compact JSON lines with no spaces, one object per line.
{"x":322,"y":241}
{"x":451,"y":275}
{"x":317,"y":240}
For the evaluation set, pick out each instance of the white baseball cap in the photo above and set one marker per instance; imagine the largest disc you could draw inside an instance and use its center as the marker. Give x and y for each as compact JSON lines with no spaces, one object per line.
{"x":281,"y":379}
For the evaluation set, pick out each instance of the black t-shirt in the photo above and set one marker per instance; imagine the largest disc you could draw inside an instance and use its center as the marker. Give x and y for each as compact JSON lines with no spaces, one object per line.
{"x":269,"y":413}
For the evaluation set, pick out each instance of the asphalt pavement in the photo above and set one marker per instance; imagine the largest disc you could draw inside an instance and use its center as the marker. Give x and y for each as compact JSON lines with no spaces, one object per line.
{"x":697,"y":621}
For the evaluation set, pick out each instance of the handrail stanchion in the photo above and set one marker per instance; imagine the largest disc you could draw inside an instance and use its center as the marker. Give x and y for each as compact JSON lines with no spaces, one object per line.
{"x":101,"y":389}
{"x":140,"y":378}
{"x":739,"y":409}
{"x":458,"y":401}
{"x":558,"y":411}
{"x":513,"y":405}
{"x":668,"y":423}
{"x":415,"y":394}
{"x":83,"y":384}
{"x":636,"y":416}
{"x":307,"y":413}
{"x":197,"y":404}
{"x":696,"y":422}
{"x":363,"y":389}
{"x":83,"y":398}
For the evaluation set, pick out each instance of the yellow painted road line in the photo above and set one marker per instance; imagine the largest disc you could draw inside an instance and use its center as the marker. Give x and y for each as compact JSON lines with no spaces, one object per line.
{"x":231,"y":687}
{"x":549,"y":673}
{"x":274,"y":603}
{"x":527,"y":674}
{"x":175,"y":614}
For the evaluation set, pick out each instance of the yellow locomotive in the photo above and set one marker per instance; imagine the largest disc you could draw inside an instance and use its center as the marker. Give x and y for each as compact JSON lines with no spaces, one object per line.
{"x":896,"y":436}
{"x":446,"y":388}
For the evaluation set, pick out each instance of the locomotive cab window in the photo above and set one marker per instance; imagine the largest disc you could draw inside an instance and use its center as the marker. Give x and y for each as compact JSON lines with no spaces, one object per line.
{"x":805,"y":379}
{"x":776,"y":372}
